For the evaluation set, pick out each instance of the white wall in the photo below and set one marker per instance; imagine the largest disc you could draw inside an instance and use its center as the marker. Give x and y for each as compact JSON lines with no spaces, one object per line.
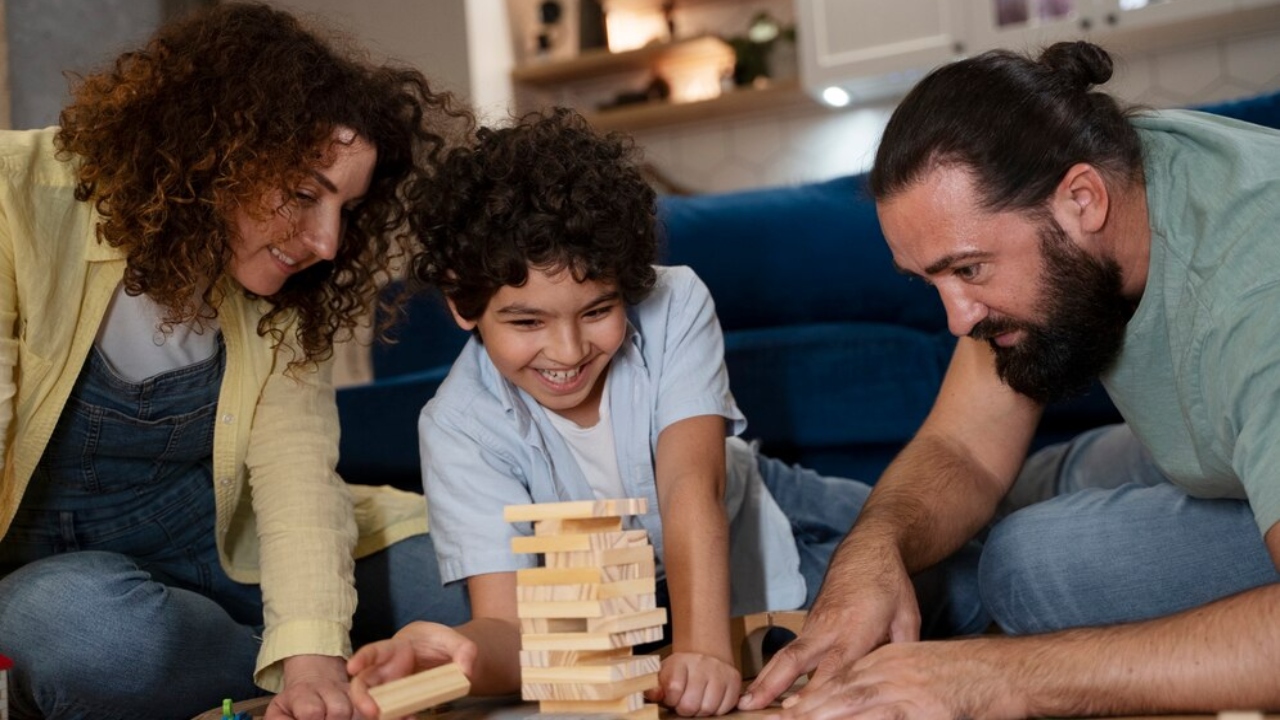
{"x":431,"y":36}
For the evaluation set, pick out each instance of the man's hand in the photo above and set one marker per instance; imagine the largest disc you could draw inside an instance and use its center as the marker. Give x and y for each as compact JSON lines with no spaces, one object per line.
{"x":696,"y":685}
{"x":416,"y":647}
{"x":924,"y":681}
{"x":315,"y":688}
{"x":866,"y":601}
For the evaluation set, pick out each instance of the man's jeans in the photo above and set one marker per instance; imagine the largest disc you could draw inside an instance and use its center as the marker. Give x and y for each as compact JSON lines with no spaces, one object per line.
{"x":1096,"y":535}
{"x":822,"y":509}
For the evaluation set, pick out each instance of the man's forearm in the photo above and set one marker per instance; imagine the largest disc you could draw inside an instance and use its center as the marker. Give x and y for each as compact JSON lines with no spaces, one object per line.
{"x":1219,"y":656}
{"x":929,"y":502}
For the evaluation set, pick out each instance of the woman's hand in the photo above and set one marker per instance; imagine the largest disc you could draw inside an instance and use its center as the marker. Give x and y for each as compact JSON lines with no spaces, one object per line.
{"x":315,"y":688}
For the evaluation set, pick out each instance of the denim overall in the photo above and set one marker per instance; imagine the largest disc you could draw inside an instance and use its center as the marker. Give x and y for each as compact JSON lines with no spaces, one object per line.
{"x":121,"y":508}
{"x":113,"y":603}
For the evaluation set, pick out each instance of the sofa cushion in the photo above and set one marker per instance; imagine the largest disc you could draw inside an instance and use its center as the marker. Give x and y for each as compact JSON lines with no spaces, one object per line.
{"x":794,"y":255}
{"x":832,"y":385}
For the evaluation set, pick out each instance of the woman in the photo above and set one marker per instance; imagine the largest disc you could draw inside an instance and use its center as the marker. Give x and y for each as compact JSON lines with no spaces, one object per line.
{"x":175,"y":262}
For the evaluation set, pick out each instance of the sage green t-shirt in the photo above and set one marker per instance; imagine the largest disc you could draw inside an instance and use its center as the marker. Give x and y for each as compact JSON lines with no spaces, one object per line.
{"x":1198,"y":378}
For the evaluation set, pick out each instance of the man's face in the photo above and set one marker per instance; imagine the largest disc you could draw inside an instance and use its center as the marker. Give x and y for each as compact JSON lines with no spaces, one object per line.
{"x":1052,"y":312}
{"x":1083,"y":328}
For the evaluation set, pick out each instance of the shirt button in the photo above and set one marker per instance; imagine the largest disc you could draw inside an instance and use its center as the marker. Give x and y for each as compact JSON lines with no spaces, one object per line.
{"x":228,"y":418}
{"x":225,"y":481}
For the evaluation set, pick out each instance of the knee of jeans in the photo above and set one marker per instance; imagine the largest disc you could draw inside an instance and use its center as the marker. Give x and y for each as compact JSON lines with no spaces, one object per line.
{"x":54,"y":612}
{"x":1017,"y":571}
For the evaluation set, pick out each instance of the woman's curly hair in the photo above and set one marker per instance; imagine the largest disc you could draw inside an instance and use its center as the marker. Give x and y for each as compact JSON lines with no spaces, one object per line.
{"x":226,"y":107}
{"x":548,"y":193}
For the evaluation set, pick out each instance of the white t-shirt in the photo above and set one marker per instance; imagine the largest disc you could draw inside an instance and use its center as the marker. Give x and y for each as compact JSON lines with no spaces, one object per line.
{"x":133,"y":343}
{"x":594,"y":449}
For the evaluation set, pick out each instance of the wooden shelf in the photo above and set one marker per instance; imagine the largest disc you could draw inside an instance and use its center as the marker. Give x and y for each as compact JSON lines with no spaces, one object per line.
{"x":736,"y":103}
{"x":601,"y":63}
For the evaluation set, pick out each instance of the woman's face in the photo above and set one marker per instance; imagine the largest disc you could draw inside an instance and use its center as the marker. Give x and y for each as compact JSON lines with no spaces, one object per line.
{"x":299,"y":231}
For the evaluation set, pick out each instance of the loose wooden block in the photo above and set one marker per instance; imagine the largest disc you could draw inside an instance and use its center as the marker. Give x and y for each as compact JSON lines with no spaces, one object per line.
{"x":623,"y":705}
{"x":585,"y":608}
{"x":422,"y":690}
{"x":589,"y":641}
{"x":608,"y":670}
{"x":578,"y":509}
{"x":577,"y":526}
{"x":746,"y":635}
{"x":588,"y":691}
{"x":579,"y":542}
{"x":585,"y":575}
{"x":586,"y":591}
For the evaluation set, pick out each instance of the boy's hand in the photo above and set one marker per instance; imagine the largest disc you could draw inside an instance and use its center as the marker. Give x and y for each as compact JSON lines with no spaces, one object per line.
{"x":696,"y":685}
{"x":416,"y":647}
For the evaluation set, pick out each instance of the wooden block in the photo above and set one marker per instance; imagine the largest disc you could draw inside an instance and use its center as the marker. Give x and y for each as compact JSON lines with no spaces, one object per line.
{"x":588,"y":691}
{"x":623,"y":705}
{"x":552,"y":625}
{"x":580,"y":542}
{"x":630,"y":621}
{"x":621,"y":507}
{"x":608,"y":670}
{"x":649,"y":711}
{"x":585,"y":608}
{"x":600,"y":558}
{"x":589,"y":641}
{"x":561,"y":658}
{"x":422,"y":690}
{"x":585,"y":575}
{"x":577,"y":526}
{"x":746,"y":635}
{"x":587,"y":591}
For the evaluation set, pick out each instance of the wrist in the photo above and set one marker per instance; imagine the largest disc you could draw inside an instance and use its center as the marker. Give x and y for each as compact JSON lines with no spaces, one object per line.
{"x":321,"y":668}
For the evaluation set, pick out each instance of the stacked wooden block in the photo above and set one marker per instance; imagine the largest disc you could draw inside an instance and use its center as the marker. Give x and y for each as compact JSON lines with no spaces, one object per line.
{"x":583,"y":610}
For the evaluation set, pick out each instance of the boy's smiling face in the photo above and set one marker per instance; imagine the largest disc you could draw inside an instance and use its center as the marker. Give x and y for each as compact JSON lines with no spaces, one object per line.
{"x":554,"y":337}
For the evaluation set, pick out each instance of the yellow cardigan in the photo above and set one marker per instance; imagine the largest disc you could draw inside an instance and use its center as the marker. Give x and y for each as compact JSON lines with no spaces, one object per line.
{"x":285,"y":518}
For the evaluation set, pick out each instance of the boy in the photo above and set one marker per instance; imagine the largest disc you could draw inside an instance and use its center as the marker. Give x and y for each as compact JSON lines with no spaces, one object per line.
{"x":593,"y":374}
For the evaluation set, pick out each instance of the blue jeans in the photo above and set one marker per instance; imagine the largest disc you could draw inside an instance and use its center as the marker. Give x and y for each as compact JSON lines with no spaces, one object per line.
{"x":822,"y":510}
{"x":113,"y":603}
{"x":1096,"y":535}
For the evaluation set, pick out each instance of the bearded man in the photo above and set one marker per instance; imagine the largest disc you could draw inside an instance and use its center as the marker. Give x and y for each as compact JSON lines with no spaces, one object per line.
{"x":1133,"y":570}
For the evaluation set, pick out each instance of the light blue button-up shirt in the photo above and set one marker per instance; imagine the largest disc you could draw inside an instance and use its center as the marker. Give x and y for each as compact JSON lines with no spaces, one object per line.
{"x":486,"y":444}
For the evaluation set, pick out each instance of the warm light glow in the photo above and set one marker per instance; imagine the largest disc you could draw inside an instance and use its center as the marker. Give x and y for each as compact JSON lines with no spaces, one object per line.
{"x":695,"y":86}
{"x":629,"y":29}
{"x":835,"y":97}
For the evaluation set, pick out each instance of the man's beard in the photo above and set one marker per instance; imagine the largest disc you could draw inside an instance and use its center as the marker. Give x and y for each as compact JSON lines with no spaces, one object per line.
{"x":1085,"y":315}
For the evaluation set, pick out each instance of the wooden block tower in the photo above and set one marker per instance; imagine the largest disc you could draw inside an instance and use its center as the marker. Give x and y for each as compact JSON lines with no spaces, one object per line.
{"x":586,"y":607}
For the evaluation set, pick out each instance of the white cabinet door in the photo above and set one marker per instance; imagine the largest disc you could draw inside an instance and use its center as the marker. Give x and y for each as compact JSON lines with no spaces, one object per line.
{"x":1139,"y":14}
{"x":872,"y":47}
{"x":1027,"y":25}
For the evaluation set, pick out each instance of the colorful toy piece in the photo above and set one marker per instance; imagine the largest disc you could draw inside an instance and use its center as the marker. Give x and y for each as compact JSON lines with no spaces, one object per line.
{"x":5,"y":666}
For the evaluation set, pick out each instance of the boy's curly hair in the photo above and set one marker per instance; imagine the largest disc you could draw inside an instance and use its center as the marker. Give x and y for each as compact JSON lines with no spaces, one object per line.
{"x":547,"y":193}
{"x":218,"y":111}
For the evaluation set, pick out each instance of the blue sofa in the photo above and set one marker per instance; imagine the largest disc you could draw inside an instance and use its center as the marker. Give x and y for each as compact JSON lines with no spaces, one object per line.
{"x":834,"y":357}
